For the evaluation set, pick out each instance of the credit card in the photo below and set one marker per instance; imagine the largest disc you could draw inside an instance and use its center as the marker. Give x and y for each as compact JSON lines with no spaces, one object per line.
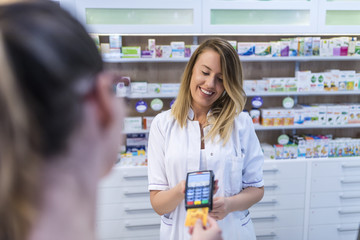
{"x":192,"y":214}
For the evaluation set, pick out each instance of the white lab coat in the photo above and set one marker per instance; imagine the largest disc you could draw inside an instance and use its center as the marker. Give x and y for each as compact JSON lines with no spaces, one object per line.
{"x":173,"y":151}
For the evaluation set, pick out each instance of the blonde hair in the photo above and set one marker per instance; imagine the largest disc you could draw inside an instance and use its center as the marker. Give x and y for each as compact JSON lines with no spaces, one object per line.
{"x":229,"y":105}
{"x":18,"y":162}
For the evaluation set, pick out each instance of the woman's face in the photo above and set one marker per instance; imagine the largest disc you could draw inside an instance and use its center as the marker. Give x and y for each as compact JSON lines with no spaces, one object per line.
{"x":206,"y":84}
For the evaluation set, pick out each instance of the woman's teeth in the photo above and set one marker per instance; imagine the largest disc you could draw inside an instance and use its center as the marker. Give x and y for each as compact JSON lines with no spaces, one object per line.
{"x":206,"y":92}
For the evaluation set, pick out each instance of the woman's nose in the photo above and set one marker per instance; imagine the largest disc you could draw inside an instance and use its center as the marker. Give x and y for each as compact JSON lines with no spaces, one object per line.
{"x":210,"y":81}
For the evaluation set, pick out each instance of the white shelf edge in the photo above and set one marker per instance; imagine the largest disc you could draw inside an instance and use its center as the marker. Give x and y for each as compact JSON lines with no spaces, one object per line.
{"x":153,"y":95}
{"x":135,"y":60}
{"x":266,"y":160}
{"x":135,"y":131}
{"x":252,"y":94}
{"x":260,"y":128}
{"x":242,"y":58}
{"x":302,"y":159}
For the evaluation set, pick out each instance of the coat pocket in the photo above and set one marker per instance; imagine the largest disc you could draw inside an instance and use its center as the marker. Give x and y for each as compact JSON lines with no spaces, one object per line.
{"x":233,"y":175}
{"x":165,"y":227}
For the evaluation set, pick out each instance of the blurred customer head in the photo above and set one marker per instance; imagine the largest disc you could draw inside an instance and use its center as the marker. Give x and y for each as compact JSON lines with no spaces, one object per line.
{"x":56,"y":112}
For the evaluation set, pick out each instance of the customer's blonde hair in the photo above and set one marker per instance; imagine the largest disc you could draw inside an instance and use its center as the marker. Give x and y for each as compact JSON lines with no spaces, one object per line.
{"x":45,"y":53}
{"x":229,"y":105}
{"x":19,"y":164}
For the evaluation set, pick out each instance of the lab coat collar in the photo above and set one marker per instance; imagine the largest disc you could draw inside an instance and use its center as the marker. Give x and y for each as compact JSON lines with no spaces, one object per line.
{"x":191,"y":114}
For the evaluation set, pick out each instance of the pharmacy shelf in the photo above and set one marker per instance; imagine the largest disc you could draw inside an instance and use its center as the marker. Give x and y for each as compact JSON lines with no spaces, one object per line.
{"x":136,"y":60}
{"x":243,"y":59}
{"x":308,"y":93}
{"x":151,"y":95}
{"x":302,"y":159}
{"x":250,"y":94}
{"x":135,"y":131}
{"x":260,"y":128}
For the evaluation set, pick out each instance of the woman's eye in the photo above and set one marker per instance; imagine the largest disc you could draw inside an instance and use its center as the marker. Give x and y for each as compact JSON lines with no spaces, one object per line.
{"x":205,"y":73}
{"x":220,"y":79}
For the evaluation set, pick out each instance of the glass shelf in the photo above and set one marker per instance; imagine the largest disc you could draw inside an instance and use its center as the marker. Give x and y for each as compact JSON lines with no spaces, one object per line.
{"x":262,"y":128}
{"x":251,"y":94}
{"x":242,"y":58}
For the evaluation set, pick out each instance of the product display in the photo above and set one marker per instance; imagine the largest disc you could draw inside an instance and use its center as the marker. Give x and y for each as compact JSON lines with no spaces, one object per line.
{"x":141,"y":106}
{"x":156,"y":104}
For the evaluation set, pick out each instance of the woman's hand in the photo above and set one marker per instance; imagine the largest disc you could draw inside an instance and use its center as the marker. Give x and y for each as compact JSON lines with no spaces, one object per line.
{"x":216,"y":186}
{"x":220,"y":208}
{"x":167,"y":201}
{"x":211,"y":232}
{"x":181,"y":187}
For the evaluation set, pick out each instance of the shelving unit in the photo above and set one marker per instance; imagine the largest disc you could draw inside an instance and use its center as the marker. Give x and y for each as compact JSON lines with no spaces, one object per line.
{"x":252,"y":94}
{"x":243,"y":59}
{"x":291,"y":127}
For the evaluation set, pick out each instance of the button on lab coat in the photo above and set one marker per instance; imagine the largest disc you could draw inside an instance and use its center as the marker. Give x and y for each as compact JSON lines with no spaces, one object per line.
{"x":173,"y":151}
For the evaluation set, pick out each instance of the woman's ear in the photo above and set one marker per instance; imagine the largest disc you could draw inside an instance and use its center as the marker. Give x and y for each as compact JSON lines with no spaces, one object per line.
{"x":104,"y":99}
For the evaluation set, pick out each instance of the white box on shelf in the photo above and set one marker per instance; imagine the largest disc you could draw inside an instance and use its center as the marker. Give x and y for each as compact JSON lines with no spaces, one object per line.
{"x":170,"y":88}
{"x":246,"y":49}
{"x":250,"y":86}
{"x":132,"y":123}
{"x":303,"y":79}
{"x":154,"y":88}
{"x":147,"y":122}
{"x":262,"y":85}
{"x":139,"y":87}
{"x":177,"y":49}
{"x":263,"y":49}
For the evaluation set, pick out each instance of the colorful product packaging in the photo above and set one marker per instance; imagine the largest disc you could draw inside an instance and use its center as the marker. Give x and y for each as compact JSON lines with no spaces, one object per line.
{"x":316,"y":46}
{"x":263,"y":49}
{"x":308,"y":48}
{"x":246,"y":49}
{"x":275,"y":49}
{"x":177,"y":49}
{"x":284,"y":47}
{"x":293,"y":47}
{"x":131,"y":52}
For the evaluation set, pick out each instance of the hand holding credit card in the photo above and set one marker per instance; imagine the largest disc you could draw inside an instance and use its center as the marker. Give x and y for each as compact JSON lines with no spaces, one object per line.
{"x":198,"y":196}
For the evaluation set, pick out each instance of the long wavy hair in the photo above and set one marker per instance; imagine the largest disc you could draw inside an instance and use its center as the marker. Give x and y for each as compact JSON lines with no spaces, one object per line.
{"x":229,"y":105}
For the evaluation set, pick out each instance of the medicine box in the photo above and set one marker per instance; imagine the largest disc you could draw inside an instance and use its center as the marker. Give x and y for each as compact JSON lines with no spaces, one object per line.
{"x":250,"y":86}
{"x":163,"y":51}
{"x":246,"y":49}
{"x":303,"y":80}
{"x":276,"y":84}
{"x":132,"y":123}
{"x":139,"y":87}
{"x":262,"y":85}
{"x":263,"y":49}
{"x":177,"y":49}
{"x":147,"y":122}
{"x":131,"y":52}
{"x":275,"y":49}
{"x":170,"y":88}
{"x":293,"y":47}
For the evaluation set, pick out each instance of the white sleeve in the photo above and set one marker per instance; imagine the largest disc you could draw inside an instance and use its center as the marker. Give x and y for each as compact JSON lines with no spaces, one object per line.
{"x":254,"y":157}
{"x":157,"y":178}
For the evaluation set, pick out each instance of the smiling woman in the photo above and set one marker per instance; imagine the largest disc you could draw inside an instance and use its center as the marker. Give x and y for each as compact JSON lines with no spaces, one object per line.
{"x":207,"y":130}
{"x":206,"y":84}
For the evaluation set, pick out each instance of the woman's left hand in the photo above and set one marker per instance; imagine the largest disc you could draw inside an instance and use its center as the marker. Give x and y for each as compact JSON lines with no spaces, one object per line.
{"x":220,"y":208}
